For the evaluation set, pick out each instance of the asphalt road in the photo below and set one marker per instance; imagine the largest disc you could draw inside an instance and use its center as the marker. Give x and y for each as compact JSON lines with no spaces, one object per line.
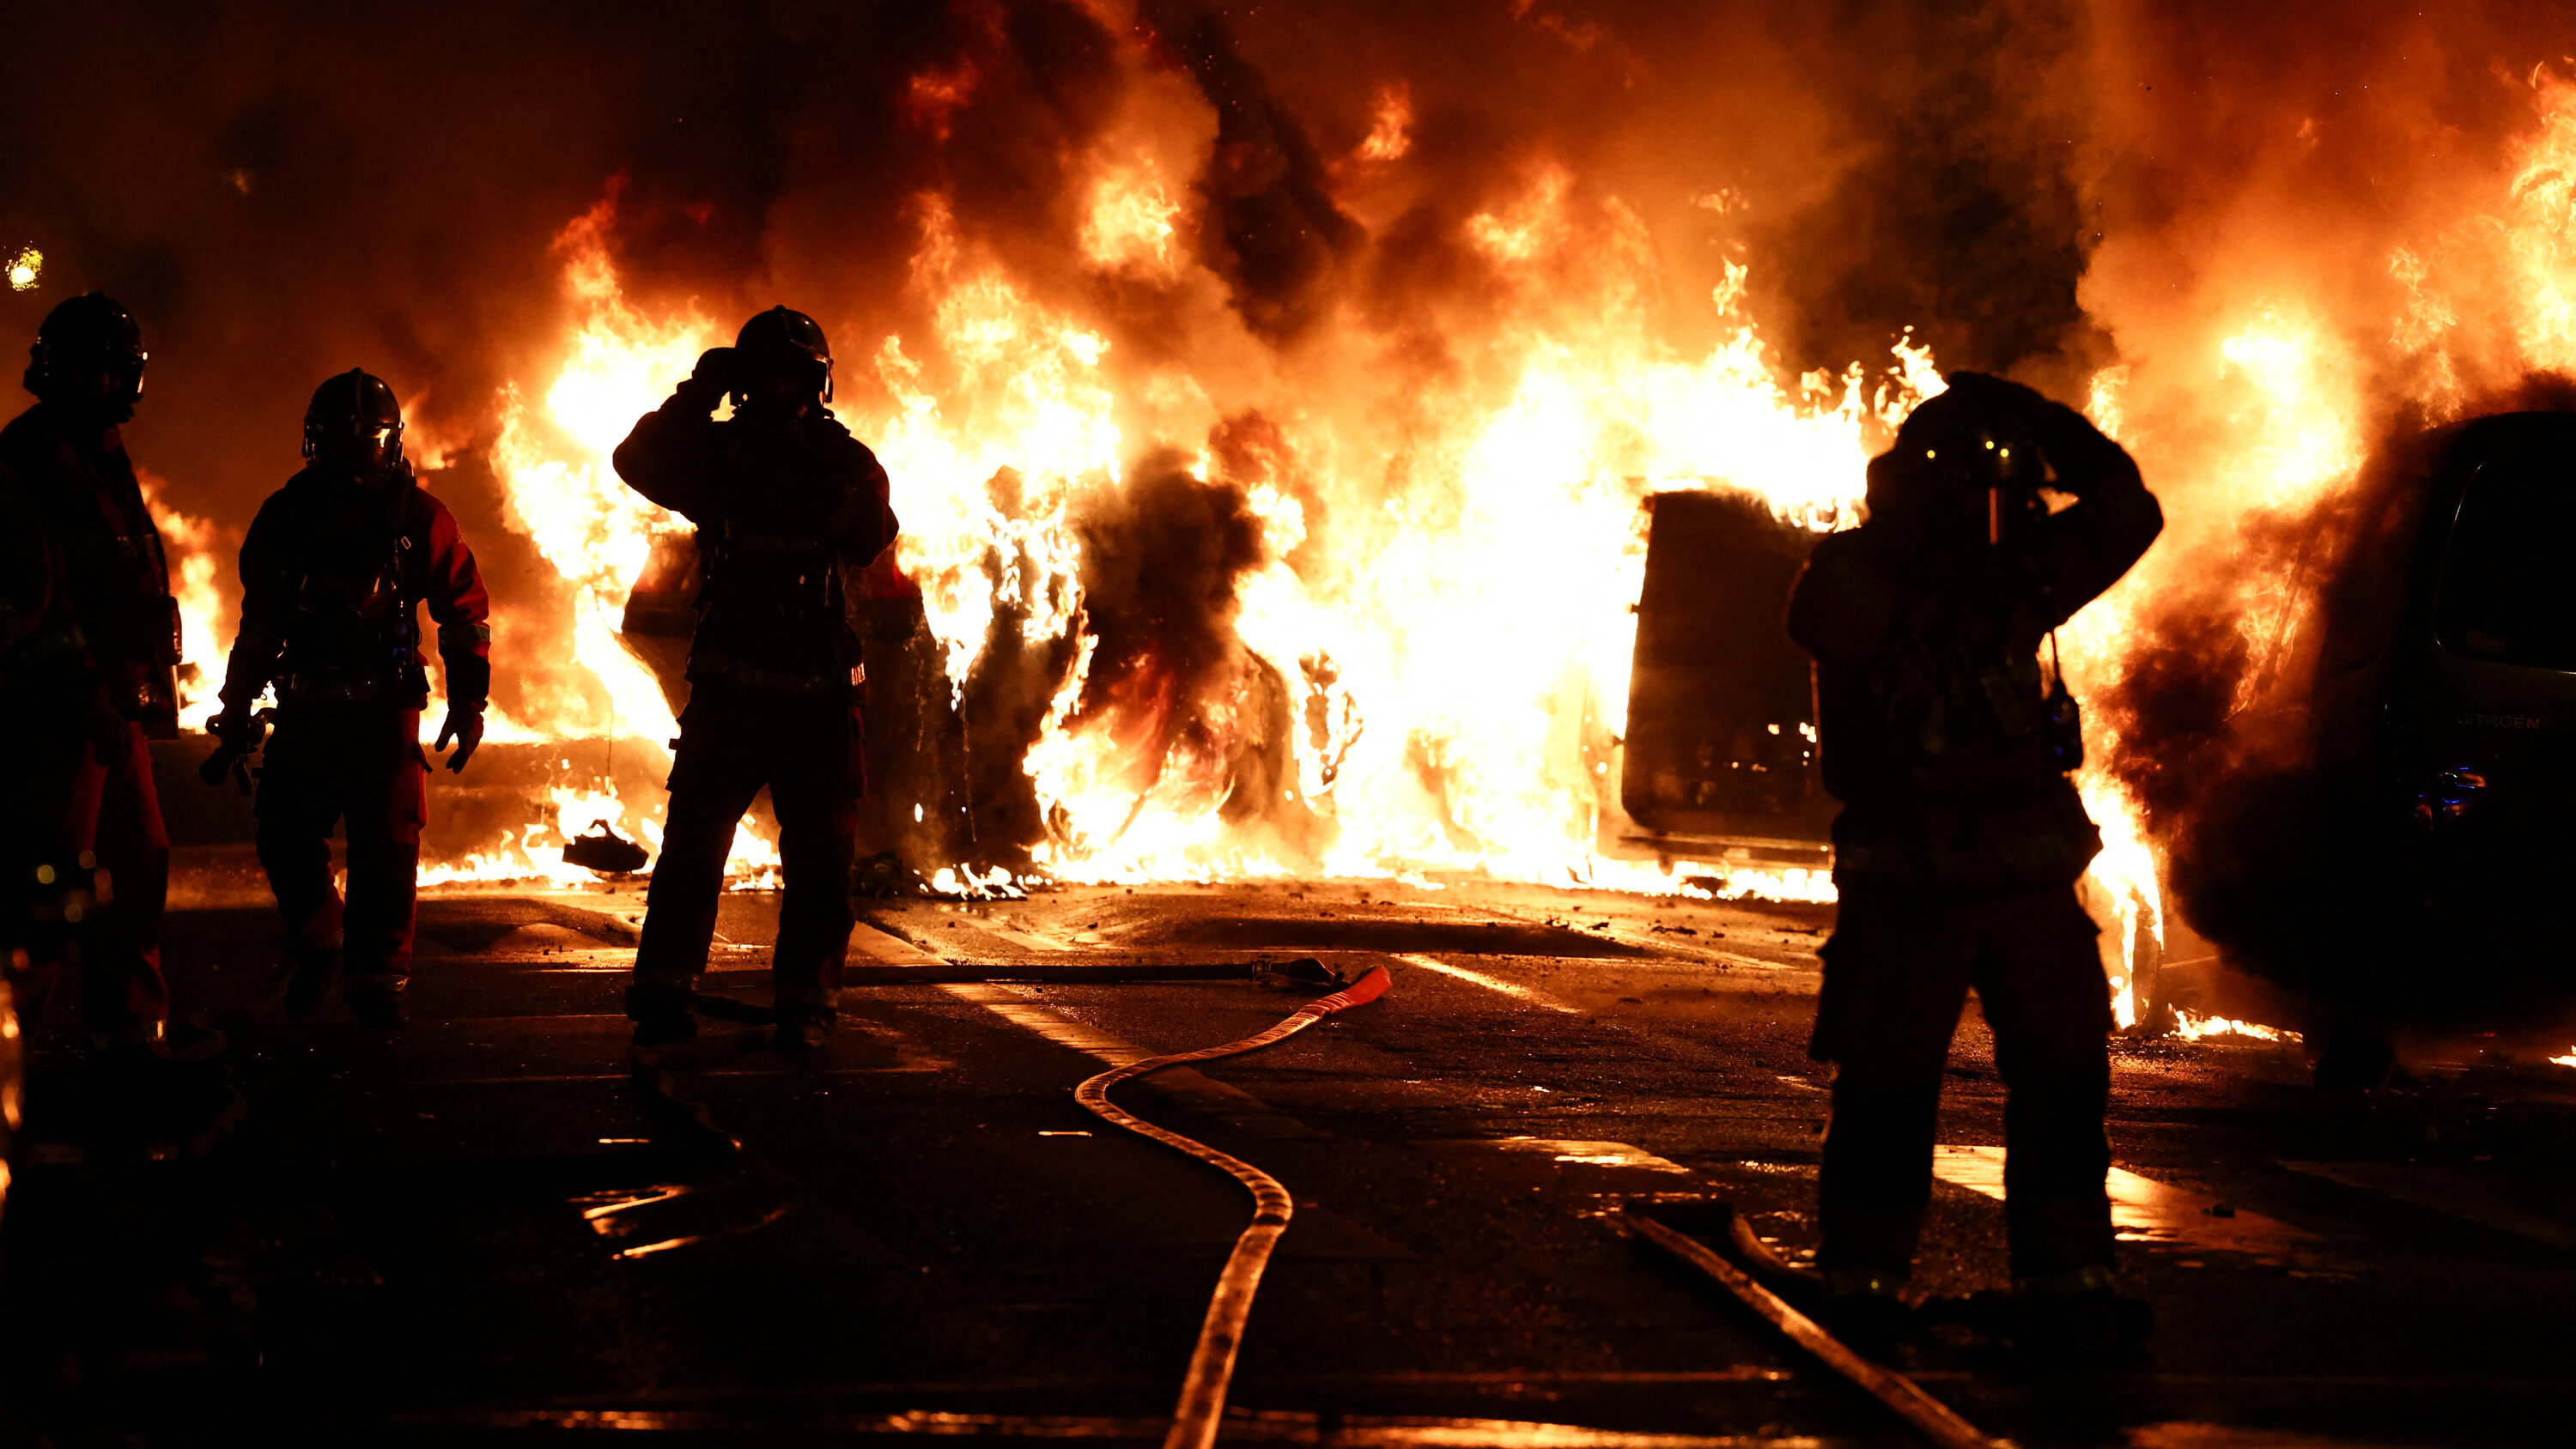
{"x":481,"y":1228}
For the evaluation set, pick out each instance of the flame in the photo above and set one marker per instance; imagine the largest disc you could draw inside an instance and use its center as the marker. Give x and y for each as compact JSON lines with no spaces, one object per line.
{"x":1131,"y":223}
{"x":596,"y":533}
{"x":24,"y":268}
{"x":2293,"y":430}
{"x":1469,"y":666}
{"x":200,"y":553}
{"x":1047,"y":427}
{"x":2298,"y":430}
{"x":932,"y":99}
{"x":535,"y":852}
{"x":2540,"y":238}
{"x":1447,"y":565}
{"x":2262,"y":404}
{"x":563,"y":494}
{"x":1461,"y":644}
{"x":1391,"y":130}
{"x":2192,"y":1026}
{"x":432,"y":444}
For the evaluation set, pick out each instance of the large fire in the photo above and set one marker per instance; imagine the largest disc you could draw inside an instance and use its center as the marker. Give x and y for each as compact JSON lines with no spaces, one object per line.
{"x":1447,"y":557}
{"x":1470,"y":663}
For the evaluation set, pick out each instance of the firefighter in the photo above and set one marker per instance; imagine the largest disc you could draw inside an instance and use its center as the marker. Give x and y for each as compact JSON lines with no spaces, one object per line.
{"x":785,"y":502}
{"x":1960,"y":843}
{"x":89,"y":642}
{"x":334,"y":571}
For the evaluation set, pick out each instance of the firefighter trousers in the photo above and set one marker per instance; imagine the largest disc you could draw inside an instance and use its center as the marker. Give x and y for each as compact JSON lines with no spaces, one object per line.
{"x":1897,"y":972}
{"x":71,"y":798}
{"x":359,"y":766}
{"x":734,"y":742}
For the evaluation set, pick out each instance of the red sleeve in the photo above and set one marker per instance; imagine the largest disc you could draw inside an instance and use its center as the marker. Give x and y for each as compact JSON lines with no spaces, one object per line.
{"x":454,"y":590}
{"x":267,"y":578}
{"x":876,"y":525}
{"x":670,"y":457}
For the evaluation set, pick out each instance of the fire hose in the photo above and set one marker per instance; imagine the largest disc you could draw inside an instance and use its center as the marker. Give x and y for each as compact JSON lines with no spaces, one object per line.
{"x":1203,"y":1390}
{"x":1937,"y":1423}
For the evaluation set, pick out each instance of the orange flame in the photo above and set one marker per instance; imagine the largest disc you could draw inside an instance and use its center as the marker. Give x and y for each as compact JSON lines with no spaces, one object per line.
{"x":596,"y":533}
{"x":1448,"y":572}
{"x":201,"y":554}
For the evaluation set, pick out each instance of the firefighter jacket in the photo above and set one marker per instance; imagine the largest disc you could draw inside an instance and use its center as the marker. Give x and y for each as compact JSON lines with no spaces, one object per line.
{"x":782,"y":506}
{"x":333,"y":577}
{"x":1930,"y":701}
{"x":86,"y":616}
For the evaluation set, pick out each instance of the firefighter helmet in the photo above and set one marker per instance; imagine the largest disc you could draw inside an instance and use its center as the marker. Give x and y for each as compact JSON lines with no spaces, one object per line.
{"x":1950,"y":451}
{"x":87,"y":337}
{"x":782,"y":340}
{"x":354,"y":422}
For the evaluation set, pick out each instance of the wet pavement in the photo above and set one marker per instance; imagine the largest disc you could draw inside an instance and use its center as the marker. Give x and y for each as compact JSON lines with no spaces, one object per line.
{"x":487,"y":1226}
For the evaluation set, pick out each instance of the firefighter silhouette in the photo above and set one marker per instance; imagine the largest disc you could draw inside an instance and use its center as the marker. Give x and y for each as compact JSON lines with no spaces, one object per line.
{"x":786,"y":505}
{"x":334,"y":572}
{"x":88,"y":648}
{"x":1961,"y":839}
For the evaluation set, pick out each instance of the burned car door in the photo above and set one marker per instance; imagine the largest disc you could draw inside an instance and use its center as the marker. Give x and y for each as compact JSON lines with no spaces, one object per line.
{"x":1720,"y":758}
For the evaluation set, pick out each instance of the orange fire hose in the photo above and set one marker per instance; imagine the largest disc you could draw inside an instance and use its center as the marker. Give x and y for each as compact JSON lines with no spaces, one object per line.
{"x":1194,"y":1421}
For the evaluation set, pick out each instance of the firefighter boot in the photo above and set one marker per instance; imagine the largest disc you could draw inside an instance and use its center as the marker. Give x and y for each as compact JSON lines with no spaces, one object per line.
{"x":378,"y":1000}
{"x":310,"y":971}
{"x":660,"y":1011}
{"x":1868,"y":1312}
{"x":2078,"y":1319}
{"x":800,"y":1033}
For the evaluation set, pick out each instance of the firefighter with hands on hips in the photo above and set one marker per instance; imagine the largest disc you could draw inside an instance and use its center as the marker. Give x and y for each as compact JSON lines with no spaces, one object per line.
{"x":1960,"y":843}
{"x":89,"y":645}
{"x":786,"y":503}
{"x":334,"y":571}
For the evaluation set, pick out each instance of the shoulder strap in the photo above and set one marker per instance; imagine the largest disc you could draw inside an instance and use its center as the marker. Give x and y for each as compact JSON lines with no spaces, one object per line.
{"x":408,"y":554}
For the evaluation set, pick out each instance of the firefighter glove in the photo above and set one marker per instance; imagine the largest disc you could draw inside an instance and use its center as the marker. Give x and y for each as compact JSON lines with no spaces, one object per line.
{"x":239,"y":729}
{"x":717,"y":372}
{"x":465,"y":727}
{"x":469,"y":678}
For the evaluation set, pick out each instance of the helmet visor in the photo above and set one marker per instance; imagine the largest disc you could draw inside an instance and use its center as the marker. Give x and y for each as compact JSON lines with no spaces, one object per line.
{"x":358,"y":447}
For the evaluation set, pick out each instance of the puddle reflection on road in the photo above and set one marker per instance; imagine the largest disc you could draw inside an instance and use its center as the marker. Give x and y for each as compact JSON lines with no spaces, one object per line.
{"x":1590,"y":1154}
{"x":2147,"y":1211}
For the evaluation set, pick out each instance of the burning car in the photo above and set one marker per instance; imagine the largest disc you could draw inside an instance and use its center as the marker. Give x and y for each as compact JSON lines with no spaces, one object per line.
{"x":2478,"y":681}
{"x":2459,"y":706}
{"x":2405,"y":875}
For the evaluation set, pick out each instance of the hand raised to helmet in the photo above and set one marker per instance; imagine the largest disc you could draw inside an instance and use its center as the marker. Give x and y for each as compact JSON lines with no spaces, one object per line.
{"x":2078,"y":453}
{"x":2000,"y":393}
{"x":719,"y":370}
{"x":465,"y":727}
